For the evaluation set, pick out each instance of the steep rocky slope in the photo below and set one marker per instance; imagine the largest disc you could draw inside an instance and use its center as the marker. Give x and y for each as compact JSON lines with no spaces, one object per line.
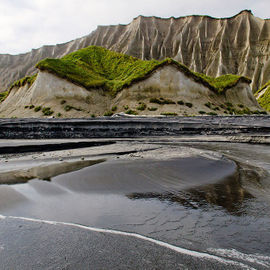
{"x":237,"y":45}
{"x":95,"y":81}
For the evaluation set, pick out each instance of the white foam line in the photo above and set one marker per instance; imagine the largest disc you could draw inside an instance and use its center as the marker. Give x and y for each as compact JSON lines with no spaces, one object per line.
{"x":188,"y":252}
{"x":232,"y":253}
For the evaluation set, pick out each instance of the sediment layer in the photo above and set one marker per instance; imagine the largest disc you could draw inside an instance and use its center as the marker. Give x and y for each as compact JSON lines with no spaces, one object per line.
{"x":133,"y":127}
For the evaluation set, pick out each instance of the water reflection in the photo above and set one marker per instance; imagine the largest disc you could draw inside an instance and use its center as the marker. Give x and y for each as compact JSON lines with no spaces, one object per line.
{"x":45,"y":172}
{"x":228,"y":194}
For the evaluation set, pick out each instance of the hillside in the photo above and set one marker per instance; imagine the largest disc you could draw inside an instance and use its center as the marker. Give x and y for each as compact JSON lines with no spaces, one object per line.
{"x":236,"y":45}
{"x":263,"y":96}
{"x":96,"y":67}
{"x":95,"y":81}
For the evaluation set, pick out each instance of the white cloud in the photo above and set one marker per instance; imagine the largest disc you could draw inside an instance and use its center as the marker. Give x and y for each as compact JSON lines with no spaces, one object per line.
{"x":27,"y":24}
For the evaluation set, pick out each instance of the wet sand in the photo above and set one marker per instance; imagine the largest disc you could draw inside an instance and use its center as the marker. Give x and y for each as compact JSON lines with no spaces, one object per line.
{"x":206,"y":197}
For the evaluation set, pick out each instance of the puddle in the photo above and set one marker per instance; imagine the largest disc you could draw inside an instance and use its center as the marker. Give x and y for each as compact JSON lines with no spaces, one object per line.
{"x":44,"y":172}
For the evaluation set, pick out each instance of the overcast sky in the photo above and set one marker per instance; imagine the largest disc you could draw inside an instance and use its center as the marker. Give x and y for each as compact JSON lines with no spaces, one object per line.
{"x":27,"y":24}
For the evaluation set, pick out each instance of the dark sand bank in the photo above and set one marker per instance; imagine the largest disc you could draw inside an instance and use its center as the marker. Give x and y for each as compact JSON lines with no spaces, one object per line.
{"x":129,"y":127}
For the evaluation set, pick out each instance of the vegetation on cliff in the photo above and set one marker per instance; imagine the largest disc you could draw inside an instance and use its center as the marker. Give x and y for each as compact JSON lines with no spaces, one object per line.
{"x":264,"y":96}
{"x":26,"y":80}
{"x":3,"y":96}
{"x":97,"y":67}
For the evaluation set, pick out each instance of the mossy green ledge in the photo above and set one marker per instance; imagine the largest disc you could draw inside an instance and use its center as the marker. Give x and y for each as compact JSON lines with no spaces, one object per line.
{"x":97,"y":67}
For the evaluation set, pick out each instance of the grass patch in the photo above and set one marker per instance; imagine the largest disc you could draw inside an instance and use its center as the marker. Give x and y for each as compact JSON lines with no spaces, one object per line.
{"x":180,"y":102}
{"x":131,"y":112}
{"x":68,"y":108}
{"x":37,"y":109}
{"x":141,"y":107}
{"x":202,"y":112}
{"x":22,"y":82}
{"x":3,"y":96}
{"x":188,"y":104}
{"x":114,"y":108}
{"x":31,"y":107}
{"x":161,"y":101}
{"x":59,"y":115}
{"x":152,"y":109}
{"x":108,"y":113}
{"x":62,"y":102}
{"x":212,"y":113}
{"x":97,"y":67}
{"x":47,"y":111}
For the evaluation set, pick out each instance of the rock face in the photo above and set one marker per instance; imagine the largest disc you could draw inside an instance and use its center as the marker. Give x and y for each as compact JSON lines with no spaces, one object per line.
{"x":238,"y":45}
{"x":167,"y":91}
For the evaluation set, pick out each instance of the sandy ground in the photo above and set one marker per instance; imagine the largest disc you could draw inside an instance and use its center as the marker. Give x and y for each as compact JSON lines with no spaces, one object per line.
{"x":189,"y":204}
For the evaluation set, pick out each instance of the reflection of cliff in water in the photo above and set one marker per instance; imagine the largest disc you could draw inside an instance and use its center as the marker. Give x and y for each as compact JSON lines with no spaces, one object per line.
{"x":228,"y":194}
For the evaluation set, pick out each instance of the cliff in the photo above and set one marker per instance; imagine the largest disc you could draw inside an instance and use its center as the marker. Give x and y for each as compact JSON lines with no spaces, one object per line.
{"x":237,"y":45}
{"x":95,"y":81}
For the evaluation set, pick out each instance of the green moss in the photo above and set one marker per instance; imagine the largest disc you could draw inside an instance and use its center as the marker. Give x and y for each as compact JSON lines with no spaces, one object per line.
{"x":264,"y":99}
{"x":141,"y":107}
{"x":37,"y":109}
{"x":132,"y":112}
{"x":161,"y":101}
{"x":22,"y":82}
{"x":114,"y":108}
{"x":223,"y":82}
{"x":47,"y":111}
{"x":202,"y":112}
{"x":67,"y":108}
{"x":3,"y":96}
{"x":109,"y":113}
{"x":97,"y":67}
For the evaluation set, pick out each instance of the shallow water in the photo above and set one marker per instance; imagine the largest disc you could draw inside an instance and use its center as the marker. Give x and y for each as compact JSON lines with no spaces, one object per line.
{"x":209,"y":205}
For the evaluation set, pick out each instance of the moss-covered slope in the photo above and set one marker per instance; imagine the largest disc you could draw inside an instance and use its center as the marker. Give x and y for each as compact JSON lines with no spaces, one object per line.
{"x":3,"y":96}
{"x":263,"y":96}
{"x":26,"y":80}
{"x":95,"y":67}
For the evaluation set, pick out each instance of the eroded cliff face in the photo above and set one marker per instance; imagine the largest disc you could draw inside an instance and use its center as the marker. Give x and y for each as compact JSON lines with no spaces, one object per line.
{"x":167,"y":91}
{"x":237,"y":45}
